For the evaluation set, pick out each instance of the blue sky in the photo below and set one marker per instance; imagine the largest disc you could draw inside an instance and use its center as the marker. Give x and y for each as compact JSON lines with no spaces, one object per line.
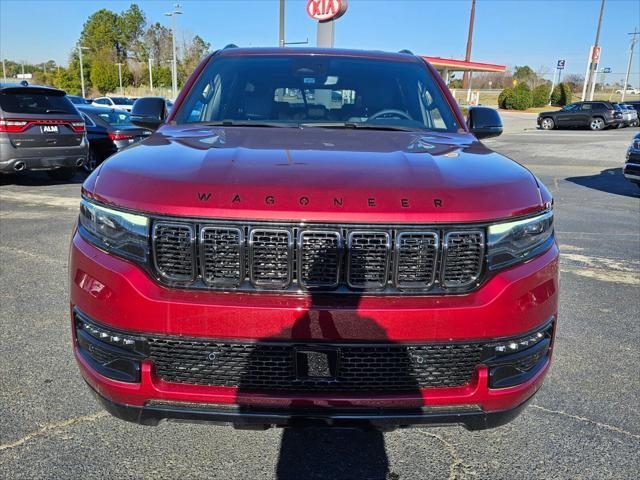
{"x":512,"y":32}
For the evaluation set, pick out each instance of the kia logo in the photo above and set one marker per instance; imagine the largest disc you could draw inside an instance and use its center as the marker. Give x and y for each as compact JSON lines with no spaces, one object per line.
{"x":325,"y":10}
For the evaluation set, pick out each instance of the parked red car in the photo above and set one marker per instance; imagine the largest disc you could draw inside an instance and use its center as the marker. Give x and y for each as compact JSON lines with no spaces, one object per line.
{"x":314,"y":237}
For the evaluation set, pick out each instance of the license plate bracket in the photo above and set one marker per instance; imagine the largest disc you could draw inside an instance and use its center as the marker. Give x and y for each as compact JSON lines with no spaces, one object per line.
{"x":318,"y":363}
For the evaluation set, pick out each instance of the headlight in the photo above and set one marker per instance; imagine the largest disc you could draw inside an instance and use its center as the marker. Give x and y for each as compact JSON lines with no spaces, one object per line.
{"x":120,"y":233}
{"x":513,"y":242}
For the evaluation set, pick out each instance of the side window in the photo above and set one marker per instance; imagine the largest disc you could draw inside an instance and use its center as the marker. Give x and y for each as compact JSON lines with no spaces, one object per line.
{"x":586,"y":106}
{"x":87,"y":120}
{"x":431,"y":112}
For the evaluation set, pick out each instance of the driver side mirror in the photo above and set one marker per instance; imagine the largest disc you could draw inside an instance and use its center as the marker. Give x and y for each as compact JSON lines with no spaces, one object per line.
{"x":149,"y":112}
{"x":484,"y":122}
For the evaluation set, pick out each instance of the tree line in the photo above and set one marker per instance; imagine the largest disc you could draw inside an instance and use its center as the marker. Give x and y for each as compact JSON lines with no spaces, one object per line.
{"x":123,"y":37}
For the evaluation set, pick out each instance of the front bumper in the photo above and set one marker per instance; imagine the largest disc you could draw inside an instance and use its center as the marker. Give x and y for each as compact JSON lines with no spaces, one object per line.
{"x":118,"y":294}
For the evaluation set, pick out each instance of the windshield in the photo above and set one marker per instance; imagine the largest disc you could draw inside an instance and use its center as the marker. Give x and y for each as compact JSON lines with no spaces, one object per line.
{"x":117,"y":118}
{"x":323,"y":90}
{"x":24,"y":101}
{"x":121,"y":101}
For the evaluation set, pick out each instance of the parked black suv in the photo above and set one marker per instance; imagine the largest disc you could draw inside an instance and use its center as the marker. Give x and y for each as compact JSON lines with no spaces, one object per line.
{"x":40,"y":129}
{"x":595,"y":115}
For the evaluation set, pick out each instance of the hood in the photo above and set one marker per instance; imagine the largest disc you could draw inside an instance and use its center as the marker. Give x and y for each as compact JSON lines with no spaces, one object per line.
{"x":315,"y":174}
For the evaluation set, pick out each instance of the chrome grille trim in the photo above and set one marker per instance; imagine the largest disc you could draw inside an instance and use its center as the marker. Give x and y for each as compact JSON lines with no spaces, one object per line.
{"x":257,"y":278}
{"x":303,"y":266}
{"x":475,"y":265}
{"x":160,"y":261}
{"x":430,"y":270}
{"x":368,"y":269}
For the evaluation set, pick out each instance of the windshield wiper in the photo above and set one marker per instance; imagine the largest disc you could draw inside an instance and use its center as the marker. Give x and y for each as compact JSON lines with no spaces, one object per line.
{"x":244,"y":123}
{"x":361,"y":125}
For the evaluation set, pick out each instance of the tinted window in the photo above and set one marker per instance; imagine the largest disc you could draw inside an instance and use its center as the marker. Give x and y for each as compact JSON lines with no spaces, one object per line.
{"x":586,"y":106}
{"x":35,"y":103}
{"x":296,"y":89}
{"x":121,"y":101}
{"x":117,"y":118}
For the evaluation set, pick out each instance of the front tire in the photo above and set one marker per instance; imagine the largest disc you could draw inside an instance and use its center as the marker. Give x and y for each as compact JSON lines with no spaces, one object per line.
{"x":547,"y":124}
{"x":63,"y":174}
{"x":596,"y":124}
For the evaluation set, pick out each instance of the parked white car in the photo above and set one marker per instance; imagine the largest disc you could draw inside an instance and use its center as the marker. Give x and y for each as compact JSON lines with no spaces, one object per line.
{"x":119,"y":103}
{"x":629,"y":91}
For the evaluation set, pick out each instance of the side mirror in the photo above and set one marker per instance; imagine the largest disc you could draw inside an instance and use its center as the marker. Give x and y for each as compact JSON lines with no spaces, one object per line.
{"x":484,"y":122}
{"x":149,"y":112}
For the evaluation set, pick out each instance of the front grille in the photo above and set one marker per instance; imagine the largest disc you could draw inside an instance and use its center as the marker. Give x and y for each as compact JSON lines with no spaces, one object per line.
{"x":173,"y":246}
{"x":222,"y":256}
{"x":344,"y":258}
{"x":462,"y":258}
{"x":272,"y":366}
{"x":270,"y":258}
{"x":368,"y":259}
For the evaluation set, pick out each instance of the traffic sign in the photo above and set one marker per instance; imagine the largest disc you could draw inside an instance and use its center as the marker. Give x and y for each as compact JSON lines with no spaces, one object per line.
{"x":606,"y":70}
{"x":561,"y":64}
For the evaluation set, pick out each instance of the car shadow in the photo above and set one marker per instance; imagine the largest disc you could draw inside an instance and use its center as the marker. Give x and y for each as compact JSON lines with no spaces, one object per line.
{"x":317,"y":450}
{"x":36,"y":179}
{"x":610,"y":180}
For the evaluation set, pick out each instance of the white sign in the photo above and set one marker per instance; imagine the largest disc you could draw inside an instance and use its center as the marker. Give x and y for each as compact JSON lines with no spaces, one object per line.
{"x":24,"y":76}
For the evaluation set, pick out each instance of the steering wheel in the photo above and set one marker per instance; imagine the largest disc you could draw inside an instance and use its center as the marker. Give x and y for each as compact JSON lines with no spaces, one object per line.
{"x":390,"y":111}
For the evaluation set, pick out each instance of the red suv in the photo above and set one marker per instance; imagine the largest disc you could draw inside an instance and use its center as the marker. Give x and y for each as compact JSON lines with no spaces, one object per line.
{"x":314,"y":237}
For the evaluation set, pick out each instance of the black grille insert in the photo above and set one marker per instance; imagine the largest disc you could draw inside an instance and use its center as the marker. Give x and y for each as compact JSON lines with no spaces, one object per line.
{"x":222,"y":251}
{"x":270,"y":257}
{"x":319,"y":258}
{"x":368,"y":259}
{"x":174,"y":250}
{"x":463,"y":254}
{"x":416,"y":259}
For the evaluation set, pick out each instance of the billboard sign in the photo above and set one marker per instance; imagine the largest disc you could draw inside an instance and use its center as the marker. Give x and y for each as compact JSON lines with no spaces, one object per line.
{"x":326,"y":10}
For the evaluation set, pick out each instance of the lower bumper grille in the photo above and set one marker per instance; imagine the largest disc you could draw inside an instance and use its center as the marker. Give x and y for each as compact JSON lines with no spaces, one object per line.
{"x":272,"y":366}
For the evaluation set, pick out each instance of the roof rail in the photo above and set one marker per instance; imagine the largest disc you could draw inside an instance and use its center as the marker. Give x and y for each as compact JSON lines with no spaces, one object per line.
{"x":404,"y":50}
{"x":231,"y":45}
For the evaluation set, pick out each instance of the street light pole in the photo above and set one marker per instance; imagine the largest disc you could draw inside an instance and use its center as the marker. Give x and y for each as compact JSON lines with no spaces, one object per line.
{"x":634,"y":39}
{"x":466,"y":76}
{"x":174,"y":72}
{"x":281,"y":41}
{"x":592,"y":70}
{"x":80,"y":48}
{"x":120,"y":77}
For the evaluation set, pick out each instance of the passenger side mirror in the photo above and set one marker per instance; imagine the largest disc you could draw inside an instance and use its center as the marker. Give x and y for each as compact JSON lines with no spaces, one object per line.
{"x":484,"y":122}
{"x":149,"y":112}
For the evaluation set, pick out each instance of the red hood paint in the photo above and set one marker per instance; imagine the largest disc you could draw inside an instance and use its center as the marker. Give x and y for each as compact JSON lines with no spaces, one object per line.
{"x":315,"y":174}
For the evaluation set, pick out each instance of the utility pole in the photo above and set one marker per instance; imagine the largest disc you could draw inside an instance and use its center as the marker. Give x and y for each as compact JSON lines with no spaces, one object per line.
{"x":174,"y":64}
{"x":281,"y":42}
{"x":22,"y":68}
{"x":80,"y":48}
{"x":634,"y":39}
{"x":4,"y":71}
{"x":150,"y":75}
{"x":594,"y":58}
{"x":467,"y":57}
{"x":120,"y":77}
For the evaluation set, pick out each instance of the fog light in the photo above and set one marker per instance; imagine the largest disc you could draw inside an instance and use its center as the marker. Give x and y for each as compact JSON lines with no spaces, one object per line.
{"x":517,"y":345}
{"x":133,"y":344}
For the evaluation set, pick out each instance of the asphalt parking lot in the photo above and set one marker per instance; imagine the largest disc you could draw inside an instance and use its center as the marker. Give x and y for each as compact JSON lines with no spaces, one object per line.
{"x":583,"y":424}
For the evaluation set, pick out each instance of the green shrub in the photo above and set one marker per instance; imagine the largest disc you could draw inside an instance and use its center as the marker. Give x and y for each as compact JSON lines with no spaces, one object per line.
{"x":541,"y":95}
{"x":561,"y":95}
{"x":522,"y":97}
{"x":505,"y":99}
{"x":104,"y":75}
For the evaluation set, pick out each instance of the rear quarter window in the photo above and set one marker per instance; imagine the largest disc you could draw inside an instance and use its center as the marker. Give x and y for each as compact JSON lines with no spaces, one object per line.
{"x":35,"y":103}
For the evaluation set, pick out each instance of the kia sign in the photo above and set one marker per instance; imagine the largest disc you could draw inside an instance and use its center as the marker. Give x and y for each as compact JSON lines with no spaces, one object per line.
{"x":560,"y":64}
{"x":326,"y":10}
